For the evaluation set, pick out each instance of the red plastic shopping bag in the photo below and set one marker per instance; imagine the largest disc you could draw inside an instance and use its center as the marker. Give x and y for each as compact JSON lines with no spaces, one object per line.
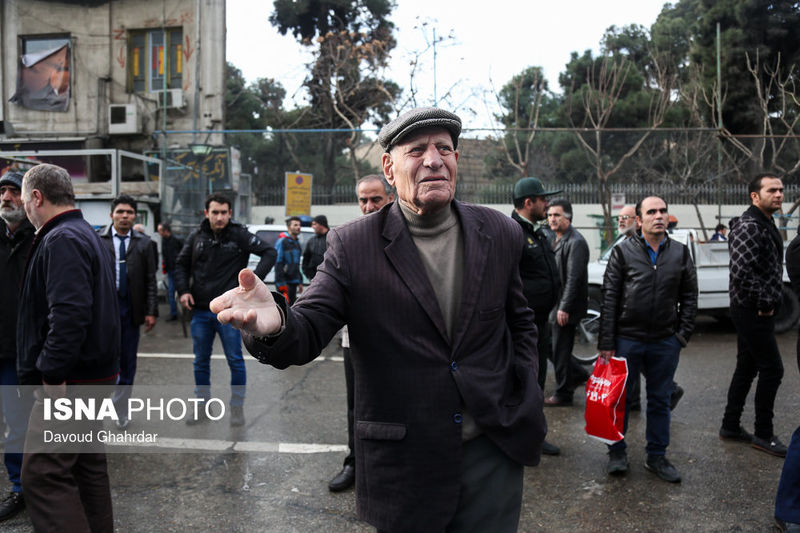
{"x":605,"y":400}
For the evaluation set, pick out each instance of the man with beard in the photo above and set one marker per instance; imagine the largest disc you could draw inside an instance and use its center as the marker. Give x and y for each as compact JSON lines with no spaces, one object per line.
{"x":16,"y":236}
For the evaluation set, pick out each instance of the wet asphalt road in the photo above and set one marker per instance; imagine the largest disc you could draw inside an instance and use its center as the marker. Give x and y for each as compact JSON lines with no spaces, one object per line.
{"x":726,"y":486}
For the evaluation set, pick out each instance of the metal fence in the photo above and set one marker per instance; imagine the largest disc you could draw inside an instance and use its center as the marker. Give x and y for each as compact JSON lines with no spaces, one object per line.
{"x":683,"y":165}
{"x":577,"y":193}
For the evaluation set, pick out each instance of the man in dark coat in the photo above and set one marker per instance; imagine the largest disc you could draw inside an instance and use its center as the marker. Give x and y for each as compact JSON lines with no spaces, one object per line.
{"x":448,"y":408}
{"x":16,"y":237}
{"x":572,"y":258}
{"x":68,"y":334}
{"x":207,"y":266}
{"x":756,"y":250}
{"x":315,"y":247}
{"x":648,"y":311}
{"x":170,"y":248}
{"x":135,"y":272}
{"x":541,"y":281}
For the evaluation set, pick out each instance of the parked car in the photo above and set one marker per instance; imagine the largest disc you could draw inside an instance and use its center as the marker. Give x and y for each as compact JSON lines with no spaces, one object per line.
{"x":271,"y":233}
{"x":711,"y":261}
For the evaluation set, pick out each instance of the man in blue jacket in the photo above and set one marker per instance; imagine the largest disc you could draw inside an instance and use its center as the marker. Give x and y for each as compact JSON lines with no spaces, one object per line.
{"x":288,"y":278}
{"x":67,"y":334}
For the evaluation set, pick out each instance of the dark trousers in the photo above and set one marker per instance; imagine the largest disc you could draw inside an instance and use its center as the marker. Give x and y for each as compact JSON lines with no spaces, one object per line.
{"x":292,"y":291}
{"x":787,"y":500}
{"x":657,"y":360}
{"x":17,"y":402}
{"x":568,"y":371}
{"x":65,"y":491}
{"x":129,"y":339}
{"x":491,"y":490}
{"x":349,"y":379}
{"x":757,"y":355}
{"x":544,"y":345}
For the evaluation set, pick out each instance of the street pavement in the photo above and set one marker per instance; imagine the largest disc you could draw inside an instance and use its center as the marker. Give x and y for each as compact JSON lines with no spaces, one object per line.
{"x":296,"y":434}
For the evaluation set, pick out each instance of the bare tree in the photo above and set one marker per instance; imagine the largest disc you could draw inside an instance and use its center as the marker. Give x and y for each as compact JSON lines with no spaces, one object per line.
{"x":598,"y":98}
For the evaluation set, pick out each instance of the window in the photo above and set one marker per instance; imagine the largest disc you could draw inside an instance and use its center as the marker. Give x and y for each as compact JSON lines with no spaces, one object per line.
{"x":43,"y":76}
{"x":146,"y":68}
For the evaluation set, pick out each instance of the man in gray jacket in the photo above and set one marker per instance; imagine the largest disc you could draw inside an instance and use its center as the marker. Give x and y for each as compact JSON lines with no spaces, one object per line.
{"x":572,"y":259}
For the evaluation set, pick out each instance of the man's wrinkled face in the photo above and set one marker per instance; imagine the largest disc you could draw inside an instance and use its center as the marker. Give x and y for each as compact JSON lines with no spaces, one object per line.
{"x":122,"y":217}
{"x":654,"y":217}
{"x":372,"y":196}
{"x":423,"y":170}
{"x":770,"y":197}
{"x":556,"y":219}
{"x":12,"y":208}
{"x":218,"y":215}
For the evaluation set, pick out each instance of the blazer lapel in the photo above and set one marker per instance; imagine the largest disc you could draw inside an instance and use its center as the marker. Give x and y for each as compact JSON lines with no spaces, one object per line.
{"x":403,"y":255}
{"x":476,"y":252}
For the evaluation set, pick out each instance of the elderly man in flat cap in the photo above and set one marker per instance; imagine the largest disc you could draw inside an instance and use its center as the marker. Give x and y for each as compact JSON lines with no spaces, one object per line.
{"x":448,"y":408}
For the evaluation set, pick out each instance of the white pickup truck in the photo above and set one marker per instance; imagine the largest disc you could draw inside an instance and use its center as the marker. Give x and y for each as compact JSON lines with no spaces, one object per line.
{"x":711,"y":260}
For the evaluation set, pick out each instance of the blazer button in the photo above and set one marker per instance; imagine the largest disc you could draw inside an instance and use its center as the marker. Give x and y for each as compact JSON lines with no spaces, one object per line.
{"x":457,"y":418}
{"x":453,"y":366}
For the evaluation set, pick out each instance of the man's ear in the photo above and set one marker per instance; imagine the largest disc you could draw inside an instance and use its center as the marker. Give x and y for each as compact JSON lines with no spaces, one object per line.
{"x":388,"y":168}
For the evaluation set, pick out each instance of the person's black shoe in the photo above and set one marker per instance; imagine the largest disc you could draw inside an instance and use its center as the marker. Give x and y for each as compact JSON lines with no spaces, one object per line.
{"x":738,"y":435}
{"x":675,"y":397}
{"x":13,"y":504}
{"x":660,"y":466}
{"x":786,"y":527}
{"x":617,"y":462}
{"x":772,"y":446}
{"x":550,"y":449}
{"x":237,"y":415}
{"x":343,"y":480}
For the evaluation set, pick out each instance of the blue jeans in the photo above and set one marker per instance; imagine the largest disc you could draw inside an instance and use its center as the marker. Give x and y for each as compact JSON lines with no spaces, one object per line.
{"x":17,"y":403}
{"x":787,"y":500}
{"x":204,"y":326}
{"x":173,"y":307}
{"x":657,"y":361}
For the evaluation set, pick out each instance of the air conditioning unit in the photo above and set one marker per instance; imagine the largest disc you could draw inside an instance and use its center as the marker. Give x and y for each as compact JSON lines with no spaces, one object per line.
{"x":170,"y":99}
{"x":123,"y":119}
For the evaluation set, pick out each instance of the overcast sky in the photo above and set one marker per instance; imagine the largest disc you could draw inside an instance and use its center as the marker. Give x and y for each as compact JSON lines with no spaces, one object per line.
{"x":489,"y":45}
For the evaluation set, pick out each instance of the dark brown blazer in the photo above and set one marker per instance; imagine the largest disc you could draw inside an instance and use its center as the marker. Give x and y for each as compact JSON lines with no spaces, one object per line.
{"x":412,"y":385}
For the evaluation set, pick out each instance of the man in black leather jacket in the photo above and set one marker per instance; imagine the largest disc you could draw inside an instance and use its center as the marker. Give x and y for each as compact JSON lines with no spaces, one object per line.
{"x":648,"y":310}
{"x":572,"y":259}
{"x":541,"y":282}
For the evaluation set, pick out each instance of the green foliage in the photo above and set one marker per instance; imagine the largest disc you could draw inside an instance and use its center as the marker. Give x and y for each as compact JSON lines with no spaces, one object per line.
{"x":352,"y":41}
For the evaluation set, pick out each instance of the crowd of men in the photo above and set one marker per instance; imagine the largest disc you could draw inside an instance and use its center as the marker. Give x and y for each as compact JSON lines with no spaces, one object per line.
{"x":445,"y":405}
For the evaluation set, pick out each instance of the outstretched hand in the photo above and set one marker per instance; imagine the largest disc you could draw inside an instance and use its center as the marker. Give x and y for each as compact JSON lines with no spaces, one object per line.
{"x":249,"y":307}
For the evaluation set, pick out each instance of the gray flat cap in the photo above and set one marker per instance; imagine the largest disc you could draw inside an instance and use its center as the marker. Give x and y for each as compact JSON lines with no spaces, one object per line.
{"x":421,"y":117}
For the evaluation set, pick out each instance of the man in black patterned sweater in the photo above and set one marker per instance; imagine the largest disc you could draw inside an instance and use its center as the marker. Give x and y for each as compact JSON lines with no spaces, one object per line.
{"x":756,"y":272}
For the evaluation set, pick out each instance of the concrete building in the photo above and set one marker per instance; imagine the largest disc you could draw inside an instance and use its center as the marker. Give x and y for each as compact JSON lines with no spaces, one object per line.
{"x":127,"y":69}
